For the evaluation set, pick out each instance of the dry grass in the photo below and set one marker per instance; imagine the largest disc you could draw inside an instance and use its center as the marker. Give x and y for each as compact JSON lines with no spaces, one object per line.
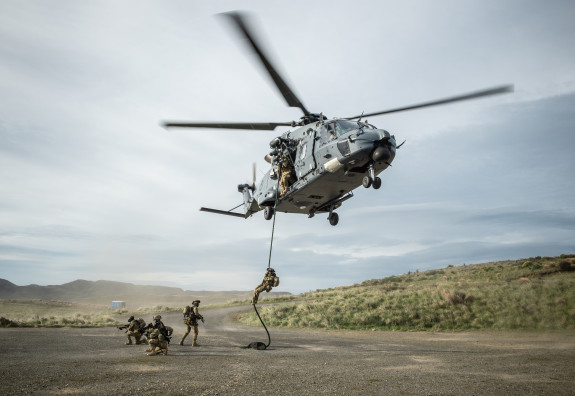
{"x":531,"y":294}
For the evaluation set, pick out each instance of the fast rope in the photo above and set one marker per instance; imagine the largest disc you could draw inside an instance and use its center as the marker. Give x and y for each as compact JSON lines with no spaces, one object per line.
{"x":263,"y":324}
{"x":275,"y":211}
{"x":255,"y":345}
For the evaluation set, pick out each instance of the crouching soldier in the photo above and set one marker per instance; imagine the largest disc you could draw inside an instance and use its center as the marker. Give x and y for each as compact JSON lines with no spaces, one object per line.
{"x":158,"y":343}
{"x":160,"y":336}
{"x":135,"y":329}
{"x":191,"y":316}
{"x":270,"y":280}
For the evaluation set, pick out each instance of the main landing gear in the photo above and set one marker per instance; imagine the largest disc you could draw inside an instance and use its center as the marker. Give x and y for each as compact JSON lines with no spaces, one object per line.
{"x":370,"y":180}
{"x":268,"y":212}
{"x":333,"y":218}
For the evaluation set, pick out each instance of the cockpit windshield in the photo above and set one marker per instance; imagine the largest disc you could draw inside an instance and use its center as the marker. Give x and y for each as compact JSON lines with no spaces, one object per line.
{"x":334,"y":129}
{"x":345,"y":126}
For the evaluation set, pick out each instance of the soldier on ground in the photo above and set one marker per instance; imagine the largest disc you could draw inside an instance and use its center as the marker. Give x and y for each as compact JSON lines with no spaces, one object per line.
{"x":191,"y":316}
{"x":135,"y":329}
{"x":270,"y":280}
{"x":160,"y":336}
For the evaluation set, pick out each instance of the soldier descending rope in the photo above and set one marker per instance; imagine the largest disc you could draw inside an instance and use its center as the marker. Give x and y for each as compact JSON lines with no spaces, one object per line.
{"x":270,"y":280}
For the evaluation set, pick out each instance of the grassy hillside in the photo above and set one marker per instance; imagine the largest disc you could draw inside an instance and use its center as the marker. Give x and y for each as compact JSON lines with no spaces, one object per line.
{"x":530,"y":294}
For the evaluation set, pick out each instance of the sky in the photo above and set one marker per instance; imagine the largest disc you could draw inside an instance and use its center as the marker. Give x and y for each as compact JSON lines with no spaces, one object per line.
{"x":92,"y":187}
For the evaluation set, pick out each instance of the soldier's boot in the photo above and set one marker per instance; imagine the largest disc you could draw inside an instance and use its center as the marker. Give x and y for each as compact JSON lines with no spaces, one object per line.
{"x":183,"y":338}
{"x":153,"y":353}
{"x":194,"y":343}
{"x":129,"y":343}
{"x":165,"y":351}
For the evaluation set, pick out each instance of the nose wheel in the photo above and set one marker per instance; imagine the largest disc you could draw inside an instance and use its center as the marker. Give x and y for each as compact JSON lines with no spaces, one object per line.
{"x":370,"y":179}
{"x":368,"y":182}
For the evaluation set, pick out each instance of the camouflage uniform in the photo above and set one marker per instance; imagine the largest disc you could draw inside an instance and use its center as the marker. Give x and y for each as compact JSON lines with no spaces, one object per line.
{"x":191,"y":316}
{"x":158,"y":333}
{"x":270,"y":280}
{"x":158,"y":343}
{"x":287,"y":177}
{"x":135,"y":329}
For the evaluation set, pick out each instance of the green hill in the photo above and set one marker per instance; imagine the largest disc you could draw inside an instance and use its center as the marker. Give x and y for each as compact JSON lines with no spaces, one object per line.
{"x":537,"y":293}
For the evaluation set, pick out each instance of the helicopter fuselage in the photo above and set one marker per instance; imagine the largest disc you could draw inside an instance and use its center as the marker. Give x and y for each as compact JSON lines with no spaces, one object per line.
{"x":330,"y":159}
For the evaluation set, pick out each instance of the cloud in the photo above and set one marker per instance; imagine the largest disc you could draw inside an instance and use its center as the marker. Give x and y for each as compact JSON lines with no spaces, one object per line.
{"x":91,"y":186}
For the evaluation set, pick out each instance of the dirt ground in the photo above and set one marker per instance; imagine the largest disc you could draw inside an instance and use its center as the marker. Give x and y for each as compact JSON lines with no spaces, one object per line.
{"x":96,"y":361}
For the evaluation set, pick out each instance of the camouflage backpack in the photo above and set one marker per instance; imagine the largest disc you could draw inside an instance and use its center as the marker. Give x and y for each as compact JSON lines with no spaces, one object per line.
{"x":187,"y":313}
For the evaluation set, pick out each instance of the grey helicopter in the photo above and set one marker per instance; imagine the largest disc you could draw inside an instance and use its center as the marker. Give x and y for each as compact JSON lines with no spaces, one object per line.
{"x":316,"y":165}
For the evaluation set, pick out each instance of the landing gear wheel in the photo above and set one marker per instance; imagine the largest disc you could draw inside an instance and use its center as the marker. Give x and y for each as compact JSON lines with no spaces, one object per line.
{"x":333,"y":219}
{"x":377,"y":183}
{"x":268,"y":213}
{"x":366,"y":182}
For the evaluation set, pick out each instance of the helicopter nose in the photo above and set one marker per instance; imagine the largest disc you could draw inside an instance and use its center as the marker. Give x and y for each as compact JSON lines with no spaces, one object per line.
{"x":381,"y":154}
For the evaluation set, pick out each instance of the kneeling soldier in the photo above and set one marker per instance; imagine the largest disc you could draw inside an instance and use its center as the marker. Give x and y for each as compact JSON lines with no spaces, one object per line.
{"x":135,"y":329}
{"x":158,"y":343}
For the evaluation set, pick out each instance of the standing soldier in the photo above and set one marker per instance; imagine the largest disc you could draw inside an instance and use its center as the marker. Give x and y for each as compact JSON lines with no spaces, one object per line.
{"x":191,"y":316}
{"x":287,"y":175}
{"x":270,"y":280}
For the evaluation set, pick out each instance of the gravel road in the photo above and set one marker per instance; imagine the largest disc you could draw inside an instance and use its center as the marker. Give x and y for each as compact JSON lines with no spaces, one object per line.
{"x":96,"y":361}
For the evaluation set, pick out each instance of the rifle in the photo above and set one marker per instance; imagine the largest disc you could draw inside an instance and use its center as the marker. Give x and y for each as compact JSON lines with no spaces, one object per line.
{"x":122,"y":327}
{"x":143,"y":331}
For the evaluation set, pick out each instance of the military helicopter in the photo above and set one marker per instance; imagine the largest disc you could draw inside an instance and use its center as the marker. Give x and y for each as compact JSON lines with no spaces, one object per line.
{"x":316,"y":166}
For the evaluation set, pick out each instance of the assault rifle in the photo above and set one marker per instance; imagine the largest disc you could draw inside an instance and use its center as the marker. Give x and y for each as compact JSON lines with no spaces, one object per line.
{"x":122,"y":327}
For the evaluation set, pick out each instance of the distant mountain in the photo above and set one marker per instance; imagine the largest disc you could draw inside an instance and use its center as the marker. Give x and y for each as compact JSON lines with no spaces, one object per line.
{"x":79,"y":290}
{"x":104,"y":292}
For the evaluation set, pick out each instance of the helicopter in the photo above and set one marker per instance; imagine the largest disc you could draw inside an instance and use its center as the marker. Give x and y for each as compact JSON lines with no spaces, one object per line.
{"x":315,"y":166}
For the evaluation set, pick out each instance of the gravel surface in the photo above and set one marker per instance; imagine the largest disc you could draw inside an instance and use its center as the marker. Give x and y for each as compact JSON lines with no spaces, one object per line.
{"x":96,"y":361}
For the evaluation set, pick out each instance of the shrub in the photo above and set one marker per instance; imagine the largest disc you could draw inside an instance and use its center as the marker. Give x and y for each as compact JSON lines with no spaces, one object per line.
{"x":565,"y":266}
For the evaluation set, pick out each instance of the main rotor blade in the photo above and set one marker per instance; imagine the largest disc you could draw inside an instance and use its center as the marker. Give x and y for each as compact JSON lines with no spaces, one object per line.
{"x":473,"y":95}
{"x":261,"y":126}
{"x":240,"y":23}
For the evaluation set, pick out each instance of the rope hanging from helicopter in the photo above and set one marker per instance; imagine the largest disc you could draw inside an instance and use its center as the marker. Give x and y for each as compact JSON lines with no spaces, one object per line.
{"x":254,"y":300}
{"x":275,"y":211}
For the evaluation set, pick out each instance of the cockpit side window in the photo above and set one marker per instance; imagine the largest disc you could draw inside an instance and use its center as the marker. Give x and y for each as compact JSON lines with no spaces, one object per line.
{"x":327,"y":133}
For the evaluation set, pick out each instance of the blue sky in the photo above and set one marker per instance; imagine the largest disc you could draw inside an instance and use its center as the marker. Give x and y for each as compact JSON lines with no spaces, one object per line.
{"x":91,"y":186}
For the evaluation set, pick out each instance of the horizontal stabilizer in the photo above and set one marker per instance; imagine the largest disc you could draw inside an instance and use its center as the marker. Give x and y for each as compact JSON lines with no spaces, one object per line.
{"x":224,"y":212}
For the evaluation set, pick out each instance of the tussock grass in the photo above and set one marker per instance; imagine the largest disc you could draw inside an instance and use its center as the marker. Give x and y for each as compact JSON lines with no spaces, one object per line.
{"x":529,"y":294}
{"x":44,"y":313}
{"x":41,"y":313}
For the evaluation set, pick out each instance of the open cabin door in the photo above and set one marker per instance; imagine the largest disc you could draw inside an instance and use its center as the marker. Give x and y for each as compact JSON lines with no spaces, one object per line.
{"x":305,"y":159}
